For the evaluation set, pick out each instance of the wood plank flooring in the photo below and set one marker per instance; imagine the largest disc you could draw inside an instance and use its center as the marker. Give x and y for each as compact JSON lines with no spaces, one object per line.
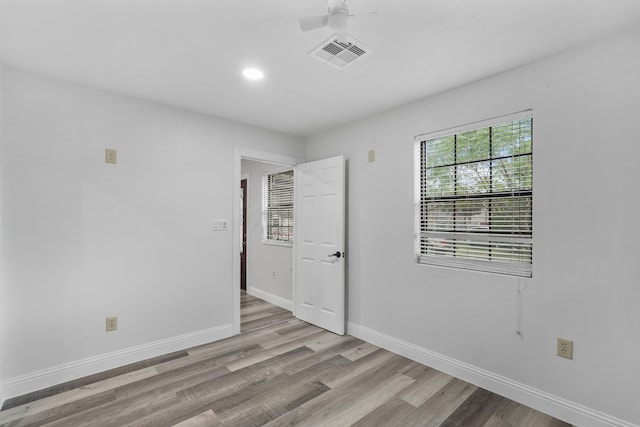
{"x":279,"y":372}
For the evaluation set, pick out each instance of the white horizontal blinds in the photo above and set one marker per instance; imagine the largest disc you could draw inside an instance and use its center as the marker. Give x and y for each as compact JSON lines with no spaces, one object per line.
{"x":278,"y":206}
{"x":476,"y":198}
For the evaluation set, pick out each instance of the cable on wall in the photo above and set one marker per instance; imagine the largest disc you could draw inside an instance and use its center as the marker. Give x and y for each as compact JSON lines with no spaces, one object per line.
{"x":522,"y":286}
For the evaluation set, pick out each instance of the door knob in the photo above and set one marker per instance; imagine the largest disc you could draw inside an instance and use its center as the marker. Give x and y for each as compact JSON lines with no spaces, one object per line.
{"x":337,"y":254}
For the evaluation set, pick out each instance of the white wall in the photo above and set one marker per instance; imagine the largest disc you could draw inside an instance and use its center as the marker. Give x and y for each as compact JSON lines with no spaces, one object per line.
{"x":264,"y":259}
{"x":84,"y":240}
{"x":585,"y":285}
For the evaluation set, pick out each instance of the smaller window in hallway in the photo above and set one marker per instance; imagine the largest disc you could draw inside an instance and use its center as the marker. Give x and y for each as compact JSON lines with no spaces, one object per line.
{"x":277,"y":207}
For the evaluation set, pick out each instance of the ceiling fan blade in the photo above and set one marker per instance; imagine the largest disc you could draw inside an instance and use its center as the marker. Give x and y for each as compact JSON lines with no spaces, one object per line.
{"x":312,"y":22}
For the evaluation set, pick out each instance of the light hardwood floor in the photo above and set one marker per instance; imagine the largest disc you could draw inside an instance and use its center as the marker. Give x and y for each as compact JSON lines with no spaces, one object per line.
{"x":279,"y":372}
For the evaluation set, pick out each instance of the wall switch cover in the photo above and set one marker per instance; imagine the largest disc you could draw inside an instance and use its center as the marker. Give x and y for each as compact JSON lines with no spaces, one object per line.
{"x":220,"y":225}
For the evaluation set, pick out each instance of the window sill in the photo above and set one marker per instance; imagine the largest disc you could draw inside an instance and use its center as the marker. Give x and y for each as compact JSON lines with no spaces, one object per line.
{"x":278,"y":243}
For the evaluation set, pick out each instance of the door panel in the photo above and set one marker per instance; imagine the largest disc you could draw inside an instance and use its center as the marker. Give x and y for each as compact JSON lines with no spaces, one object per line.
{"x":320,"y":292}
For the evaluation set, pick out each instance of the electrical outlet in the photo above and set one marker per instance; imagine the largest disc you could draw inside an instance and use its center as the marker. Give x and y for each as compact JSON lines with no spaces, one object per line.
{"x":111,"y":324}
{"x":372,"y":155}
{"x":273,"y":274}
{"x":110,"y":156}
{"x":565,"y":348}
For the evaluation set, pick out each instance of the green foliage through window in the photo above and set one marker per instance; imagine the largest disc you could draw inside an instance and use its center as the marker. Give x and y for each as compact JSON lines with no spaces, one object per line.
{"x":476,"y":193}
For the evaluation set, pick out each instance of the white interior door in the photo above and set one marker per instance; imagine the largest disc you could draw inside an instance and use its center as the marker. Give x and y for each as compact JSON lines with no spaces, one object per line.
{"x":319,"y":244}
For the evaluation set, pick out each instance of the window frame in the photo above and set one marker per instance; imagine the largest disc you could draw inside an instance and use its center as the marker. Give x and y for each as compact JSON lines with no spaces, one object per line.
{"x":481,"y":237}
{"x":265,"y":208}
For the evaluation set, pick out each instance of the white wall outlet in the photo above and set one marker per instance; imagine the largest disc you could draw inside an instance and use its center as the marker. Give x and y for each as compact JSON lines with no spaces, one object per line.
{"x":565,"y":348}
{"x":110,"y":156}
{"x":273,"y":274}
{"x":111,"y":324}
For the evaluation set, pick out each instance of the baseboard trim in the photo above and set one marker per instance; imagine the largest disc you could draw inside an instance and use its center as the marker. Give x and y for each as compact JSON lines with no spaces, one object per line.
{"x":555,"y":406}
{"x":38,"y":380}
{"x":270,"y":298}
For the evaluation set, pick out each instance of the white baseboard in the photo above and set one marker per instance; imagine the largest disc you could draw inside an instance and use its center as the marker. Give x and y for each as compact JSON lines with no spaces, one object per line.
{"x":38,"y":380}
{"x":270,"y":298}
{"x":555,"y":406}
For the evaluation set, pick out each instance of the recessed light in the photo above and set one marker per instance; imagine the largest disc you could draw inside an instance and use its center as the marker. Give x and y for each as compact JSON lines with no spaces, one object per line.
{"x":253,"y":74}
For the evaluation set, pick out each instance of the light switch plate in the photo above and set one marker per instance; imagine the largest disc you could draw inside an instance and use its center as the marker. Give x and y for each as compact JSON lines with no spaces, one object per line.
{"x":220,"y":224}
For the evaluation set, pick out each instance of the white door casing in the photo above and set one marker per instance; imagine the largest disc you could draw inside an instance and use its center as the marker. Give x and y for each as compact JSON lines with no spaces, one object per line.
{"x":319,"y":243}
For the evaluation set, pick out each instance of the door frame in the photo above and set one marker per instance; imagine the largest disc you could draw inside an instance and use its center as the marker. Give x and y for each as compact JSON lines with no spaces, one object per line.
{"x":239,"y":154}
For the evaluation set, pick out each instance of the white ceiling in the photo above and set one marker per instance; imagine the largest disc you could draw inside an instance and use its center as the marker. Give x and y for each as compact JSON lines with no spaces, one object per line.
{"x":190,"y":53}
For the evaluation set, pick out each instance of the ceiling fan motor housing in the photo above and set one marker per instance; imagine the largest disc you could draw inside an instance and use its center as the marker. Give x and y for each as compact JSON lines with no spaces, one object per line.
{"x":338,"y":20}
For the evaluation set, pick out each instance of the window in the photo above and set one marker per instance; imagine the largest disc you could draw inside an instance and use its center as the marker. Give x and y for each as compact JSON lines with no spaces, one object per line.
{"x":277,"y":207}
{"x":475,"y":192}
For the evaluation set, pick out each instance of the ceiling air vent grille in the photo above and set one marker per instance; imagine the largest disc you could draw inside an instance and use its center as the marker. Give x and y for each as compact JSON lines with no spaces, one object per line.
{"x":339,"y":53}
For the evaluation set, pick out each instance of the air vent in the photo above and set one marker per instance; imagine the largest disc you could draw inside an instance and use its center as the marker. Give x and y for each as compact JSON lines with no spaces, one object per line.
{"x":339,"y":53}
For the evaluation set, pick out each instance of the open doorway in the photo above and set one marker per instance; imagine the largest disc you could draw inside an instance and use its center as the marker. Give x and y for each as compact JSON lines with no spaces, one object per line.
{"x":268,"y":220}
{"x":317,"y":286}
{"x":260,"y":279}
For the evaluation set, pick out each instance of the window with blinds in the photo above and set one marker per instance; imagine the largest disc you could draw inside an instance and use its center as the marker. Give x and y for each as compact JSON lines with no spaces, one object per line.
{"x":475,"y":196}
{"x":277,"y":207}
